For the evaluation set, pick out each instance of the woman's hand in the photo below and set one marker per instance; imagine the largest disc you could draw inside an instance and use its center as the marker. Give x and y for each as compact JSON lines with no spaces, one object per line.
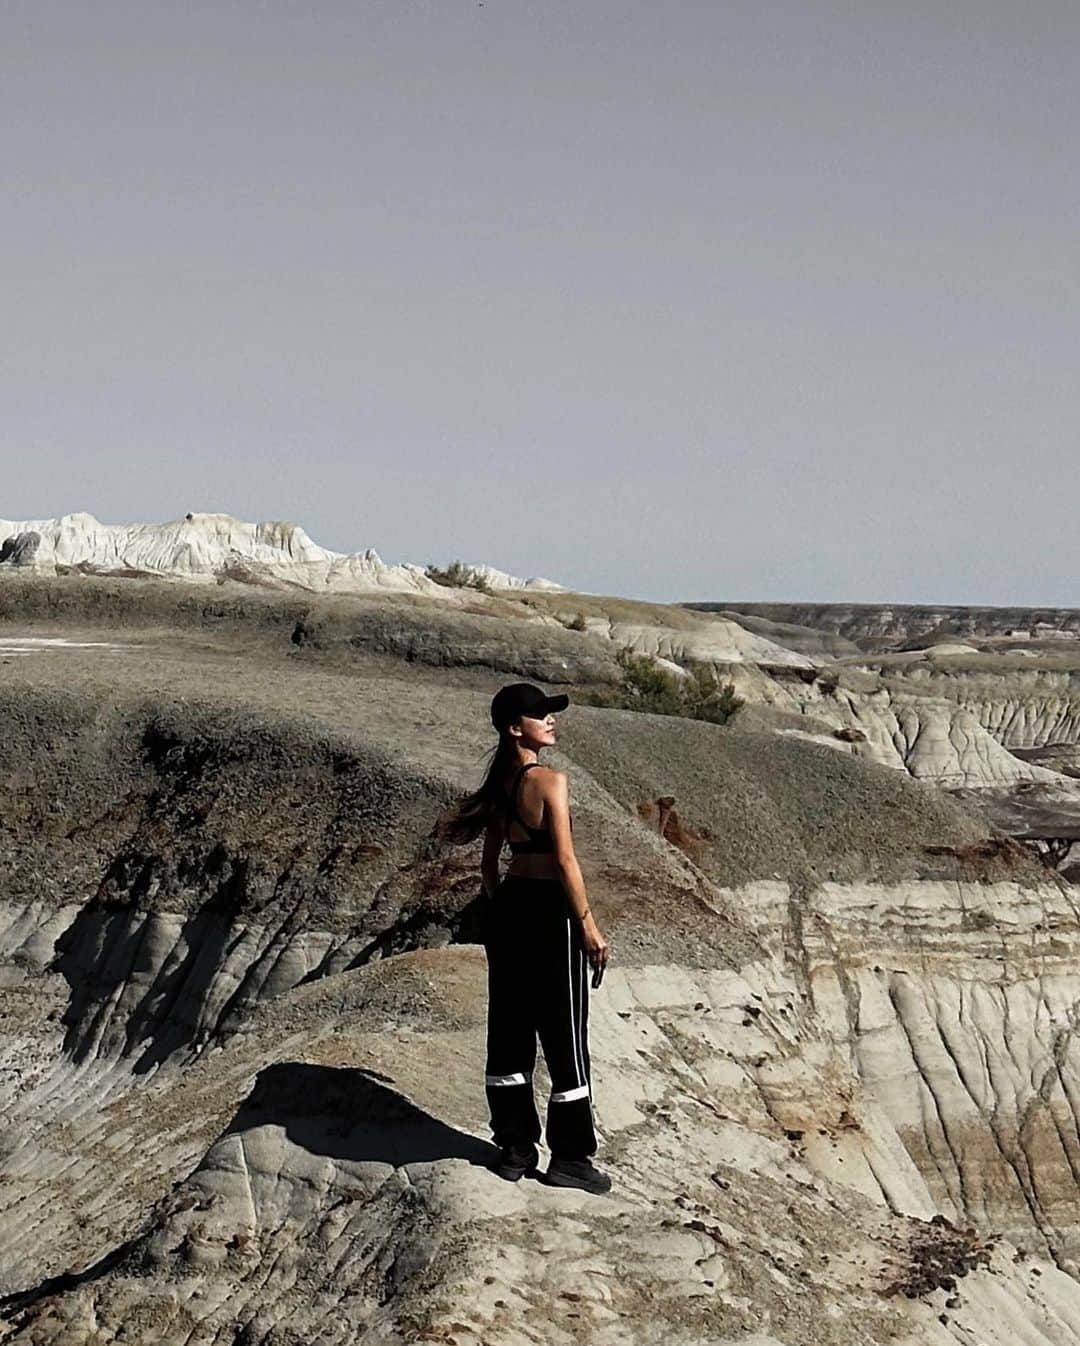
{"x":596,"y":949}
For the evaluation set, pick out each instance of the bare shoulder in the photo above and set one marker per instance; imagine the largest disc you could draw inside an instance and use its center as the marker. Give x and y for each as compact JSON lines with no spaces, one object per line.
{"x":553,"y":782}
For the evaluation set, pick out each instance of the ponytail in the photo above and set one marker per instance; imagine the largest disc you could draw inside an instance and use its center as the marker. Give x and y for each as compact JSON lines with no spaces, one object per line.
{"x":472,"y":815}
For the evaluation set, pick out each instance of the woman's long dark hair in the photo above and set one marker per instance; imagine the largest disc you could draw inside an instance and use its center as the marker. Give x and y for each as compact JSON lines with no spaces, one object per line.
{"x":472,"y":815}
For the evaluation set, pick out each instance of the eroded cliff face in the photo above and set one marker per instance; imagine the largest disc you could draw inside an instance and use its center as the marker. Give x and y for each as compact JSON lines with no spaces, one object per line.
{"x":785,"y":1138}
{"x":925,"y":985}
{"x":879,"y":625}
{"x":922,"y":725}
{"x":209,"y":547}
{"x":241,"y":1050}
{"x":1020,"y":707}
{"x":1000,"y":716}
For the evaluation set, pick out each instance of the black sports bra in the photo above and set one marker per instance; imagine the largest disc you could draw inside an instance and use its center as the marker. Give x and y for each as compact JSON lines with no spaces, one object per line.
{"x":540,"y":840}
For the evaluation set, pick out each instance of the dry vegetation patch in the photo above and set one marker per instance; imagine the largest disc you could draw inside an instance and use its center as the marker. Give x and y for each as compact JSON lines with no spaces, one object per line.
{"x":936,"y":1256}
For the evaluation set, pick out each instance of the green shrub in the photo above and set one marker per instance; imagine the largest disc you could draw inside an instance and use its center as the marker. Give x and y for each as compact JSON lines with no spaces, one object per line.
{"x":645,"y":686}
{"x":576,"y":623}
{"x":457,"y":575}
{"x":708,"y":698}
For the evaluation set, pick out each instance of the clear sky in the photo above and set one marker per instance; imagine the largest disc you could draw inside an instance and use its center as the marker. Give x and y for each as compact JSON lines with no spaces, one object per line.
{"x":689,"y":299}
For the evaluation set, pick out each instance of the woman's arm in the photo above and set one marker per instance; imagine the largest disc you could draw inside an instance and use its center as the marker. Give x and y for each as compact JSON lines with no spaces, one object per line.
{"x":557,"y":799}
{"x":489,"y":861}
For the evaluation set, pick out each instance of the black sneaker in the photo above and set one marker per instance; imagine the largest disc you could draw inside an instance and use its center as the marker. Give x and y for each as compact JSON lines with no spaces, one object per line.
{"x":513,"y":1163}
{"x":577,"y":1173}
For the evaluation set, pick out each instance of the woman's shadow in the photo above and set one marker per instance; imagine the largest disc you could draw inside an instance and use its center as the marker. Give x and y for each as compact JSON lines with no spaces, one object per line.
{"x":350,"y":1113}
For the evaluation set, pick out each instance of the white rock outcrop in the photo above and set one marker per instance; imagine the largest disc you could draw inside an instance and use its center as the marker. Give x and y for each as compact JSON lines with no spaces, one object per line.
{"x":713,"y":641}
{"x":202,"y":547}
{"x":1022,"y":707}
{"x":931,"y":737}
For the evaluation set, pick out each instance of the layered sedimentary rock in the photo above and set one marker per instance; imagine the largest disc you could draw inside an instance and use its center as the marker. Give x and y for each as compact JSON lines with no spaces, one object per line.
{"x":716,"y":641}
{"x":931,"y":737}
{"x":879,"y":625}
{"x":815,"y":642}
{"x":243,"y":1025}
{"x":1025,"y":707}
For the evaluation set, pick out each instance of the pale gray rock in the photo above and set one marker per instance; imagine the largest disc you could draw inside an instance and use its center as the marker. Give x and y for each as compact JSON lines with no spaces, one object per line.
{"x":200,"y":548}
{"x":905,"y":725}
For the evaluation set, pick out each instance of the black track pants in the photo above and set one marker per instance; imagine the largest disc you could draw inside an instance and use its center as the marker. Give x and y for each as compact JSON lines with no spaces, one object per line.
{"x":538,"y":985}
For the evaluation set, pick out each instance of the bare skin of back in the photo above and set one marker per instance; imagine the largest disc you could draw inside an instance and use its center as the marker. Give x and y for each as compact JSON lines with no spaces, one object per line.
{"x":543,"y":799}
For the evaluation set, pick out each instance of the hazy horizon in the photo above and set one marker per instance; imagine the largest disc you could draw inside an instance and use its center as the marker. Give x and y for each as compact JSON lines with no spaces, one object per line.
{"x":676,"y":302}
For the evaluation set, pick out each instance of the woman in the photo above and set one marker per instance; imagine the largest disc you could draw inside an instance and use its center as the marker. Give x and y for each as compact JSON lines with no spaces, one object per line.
{"x":539,"y":938}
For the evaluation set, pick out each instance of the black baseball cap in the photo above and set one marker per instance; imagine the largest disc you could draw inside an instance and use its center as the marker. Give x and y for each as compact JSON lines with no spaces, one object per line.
{"x":523,"y":698}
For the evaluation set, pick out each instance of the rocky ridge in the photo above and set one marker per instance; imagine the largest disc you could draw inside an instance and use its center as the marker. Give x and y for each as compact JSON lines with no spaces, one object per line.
{"x":876,"y":626}
{"x":200,"y":547}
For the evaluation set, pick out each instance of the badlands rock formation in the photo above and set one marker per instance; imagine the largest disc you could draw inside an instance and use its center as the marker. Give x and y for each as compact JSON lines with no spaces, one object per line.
{"x":207,"y":546}
{"x":241,"y":1043}
{"x":876,"y":626}
{"x":242,"y":988}
{"x":997,"y":720}
{"x":961,"y":715}
{"x":817,"y":643}
{"x":715,"y":642}
{"x":1027,"y":704}
{"x":930,"y":737}
{"x":932,"y":713}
